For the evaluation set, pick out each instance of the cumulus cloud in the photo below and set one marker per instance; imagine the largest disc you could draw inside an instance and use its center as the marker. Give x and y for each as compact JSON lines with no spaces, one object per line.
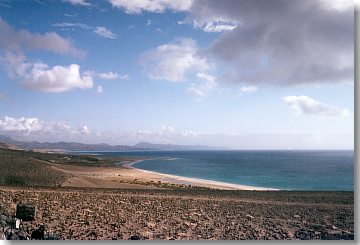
{"x":203,"y":89}
{"x":172,"y":61}
{"x":21,"y":124}
{"x":18,"y":41}
{"x":156,"y":6}
{"x":306,"y":105}
{"x":41,"y":77}
{"x":99,"y":30}
{"x":78,"y":2}
{"x":35,"y":126}
{"x":280,"y":42}
{"x":55,"y":79}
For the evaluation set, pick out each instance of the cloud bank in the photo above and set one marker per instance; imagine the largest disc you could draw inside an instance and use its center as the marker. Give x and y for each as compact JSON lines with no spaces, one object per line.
{"x":35,"y":126}
{"x":280,"y":42}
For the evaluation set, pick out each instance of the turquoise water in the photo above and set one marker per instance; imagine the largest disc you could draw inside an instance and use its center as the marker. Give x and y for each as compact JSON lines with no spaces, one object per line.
{"x":290,"y":170}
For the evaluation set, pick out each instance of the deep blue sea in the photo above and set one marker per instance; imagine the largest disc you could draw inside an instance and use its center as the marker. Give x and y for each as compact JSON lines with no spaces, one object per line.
{"x":290,"y":170}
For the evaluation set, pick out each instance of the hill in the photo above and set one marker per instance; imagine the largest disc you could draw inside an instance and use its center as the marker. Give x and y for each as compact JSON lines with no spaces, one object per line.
{"x":75,"y":146}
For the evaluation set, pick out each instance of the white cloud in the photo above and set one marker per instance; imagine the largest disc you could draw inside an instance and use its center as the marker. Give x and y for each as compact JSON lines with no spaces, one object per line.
{"x":100,"y":89}
{"x":85,"y":130}
{"x":208,"y":85}
{"x":36,"y":127}
{"x":78,"y":2}
{"x":217,"y":25}
{"x":172,"y":61}
{"x":21,"y":124}
{"x":99,"y":30}
{"x":337,"y":5}
{"x":166,"y":134}
{"x":56,"y":79}
{"x":71,"y":24}
{"x":157,"y":6}
{"x":16,"y":41}
{"x":248,"y":89}
{"x":189,"y":133}
{"x":104,"y":32}
{"x":108,"y":75}
{"x":41,"y":77}
{"x":306,"y":105}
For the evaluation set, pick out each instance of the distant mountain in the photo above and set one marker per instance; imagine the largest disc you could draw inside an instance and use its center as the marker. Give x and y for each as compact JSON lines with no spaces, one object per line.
{"x":74,"y":146}
{"x":170,"y":147}
{"x":67,"y":146}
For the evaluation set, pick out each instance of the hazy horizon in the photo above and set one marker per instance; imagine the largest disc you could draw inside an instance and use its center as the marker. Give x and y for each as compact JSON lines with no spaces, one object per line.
{"x":237,"y":74}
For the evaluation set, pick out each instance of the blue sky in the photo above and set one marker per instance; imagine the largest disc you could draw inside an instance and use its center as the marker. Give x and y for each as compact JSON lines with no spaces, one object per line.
{"x":237,"y":74}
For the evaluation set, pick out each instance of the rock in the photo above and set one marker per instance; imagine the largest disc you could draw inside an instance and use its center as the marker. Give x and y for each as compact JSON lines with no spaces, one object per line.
{"x":3,"y":223}
{"x":91,"y":233}
{"x":38,"y":234}
{"x":23,"y":235}
{"x":3,"y":217}
{"x":134,"y":237}
{"x":248,"y":216}
{"x":150,"y":224}
{"x":316,"y":226}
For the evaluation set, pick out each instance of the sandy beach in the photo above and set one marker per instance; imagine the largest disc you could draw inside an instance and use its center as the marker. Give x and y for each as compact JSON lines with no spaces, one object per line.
{"x":127,"y":176}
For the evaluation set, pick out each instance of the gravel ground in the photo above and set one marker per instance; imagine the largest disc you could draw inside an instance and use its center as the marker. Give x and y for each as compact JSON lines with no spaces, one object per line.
{"x":75,"y":213}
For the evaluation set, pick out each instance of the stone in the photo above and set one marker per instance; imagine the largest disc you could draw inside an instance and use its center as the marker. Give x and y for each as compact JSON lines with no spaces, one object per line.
{"x":3,"y":217}
{"x":249,"y":216}
{"x":134,"y":237}
{"x":316,"y":226}
{"x":23,"y":235}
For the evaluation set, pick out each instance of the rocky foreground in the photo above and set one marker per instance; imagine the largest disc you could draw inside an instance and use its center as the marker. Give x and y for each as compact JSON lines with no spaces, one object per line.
{"x":178,"y":214}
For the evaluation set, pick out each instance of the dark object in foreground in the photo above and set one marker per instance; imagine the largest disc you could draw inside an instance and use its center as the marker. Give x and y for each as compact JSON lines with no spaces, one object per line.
{"x":38,"y":234}
{"x":25,"y":212}
{"x":134,"y":237}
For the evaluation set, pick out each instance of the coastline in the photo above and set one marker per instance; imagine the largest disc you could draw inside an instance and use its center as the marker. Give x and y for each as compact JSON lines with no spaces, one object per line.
{"x":176,"y":179}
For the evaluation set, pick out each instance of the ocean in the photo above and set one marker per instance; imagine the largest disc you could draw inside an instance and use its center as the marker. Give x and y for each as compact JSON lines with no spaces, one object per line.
{"x":287,"y":170}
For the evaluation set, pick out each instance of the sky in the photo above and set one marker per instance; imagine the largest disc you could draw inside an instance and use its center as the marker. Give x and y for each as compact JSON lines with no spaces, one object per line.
{"x":240,"y":74}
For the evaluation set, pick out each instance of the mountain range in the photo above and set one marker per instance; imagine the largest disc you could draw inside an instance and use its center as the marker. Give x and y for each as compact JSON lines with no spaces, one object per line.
{"x":75,"y":146}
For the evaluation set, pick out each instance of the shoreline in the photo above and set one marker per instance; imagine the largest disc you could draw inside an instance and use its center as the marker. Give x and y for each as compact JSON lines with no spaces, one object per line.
{"x":177,"y":179}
